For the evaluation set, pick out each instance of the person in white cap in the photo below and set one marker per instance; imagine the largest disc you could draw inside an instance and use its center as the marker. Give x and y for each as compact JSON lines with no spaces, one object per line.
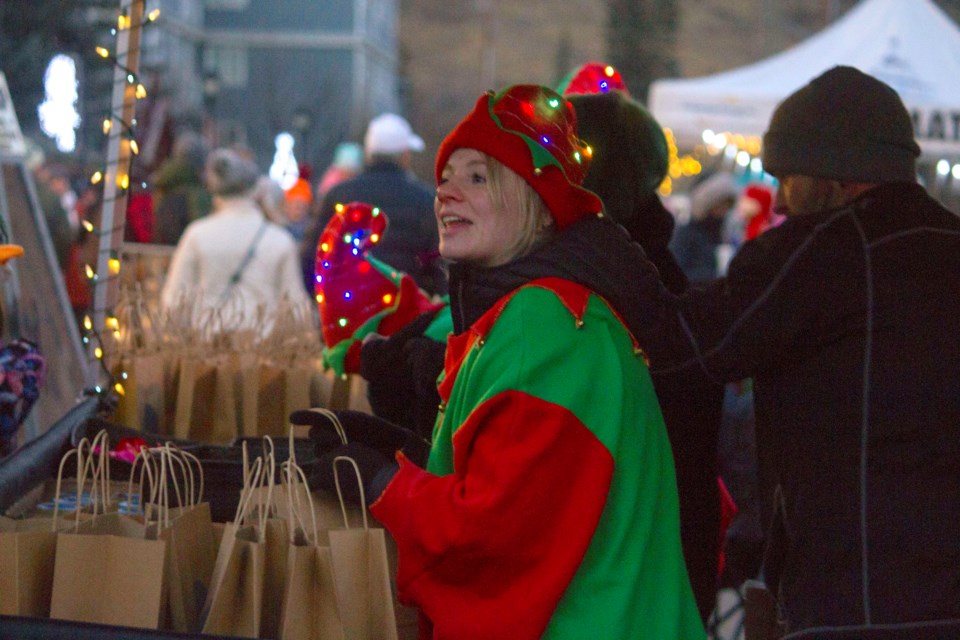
{"x":410,"y":244}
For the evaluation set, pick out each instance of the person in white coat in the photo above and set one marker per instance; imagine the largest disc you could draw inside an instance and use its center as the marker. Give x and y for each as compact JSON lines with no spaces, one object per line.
{"x":234,"y":260}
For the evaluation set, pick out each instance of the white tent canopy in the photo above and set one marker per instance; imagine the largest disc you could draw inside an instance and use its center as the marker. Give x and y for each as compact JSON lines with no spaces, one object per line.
{"x":909,"y":44}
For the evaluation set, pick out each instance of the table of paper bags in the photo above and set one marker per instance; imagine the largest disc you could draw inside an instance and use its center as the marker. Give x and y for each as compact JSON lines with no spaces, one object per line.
{"x":131,"y":540}
{"x":188,"y":510}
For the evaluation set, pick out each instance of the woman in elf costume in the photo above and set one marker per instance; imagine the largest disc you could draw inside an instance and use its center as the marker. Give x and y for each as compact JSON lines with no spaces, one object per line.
{"x":548,"y":504}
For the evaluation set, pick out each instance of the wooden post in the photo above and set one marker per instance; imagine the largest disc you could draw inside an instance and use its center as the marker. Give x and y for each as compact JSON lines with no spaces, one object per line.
{"x":116,"y":174}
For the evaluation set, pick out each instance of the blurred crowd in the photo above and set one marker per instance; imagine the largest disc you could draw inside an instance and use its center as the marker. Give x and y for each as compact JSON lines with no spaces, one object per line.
{"x":636,"y":402}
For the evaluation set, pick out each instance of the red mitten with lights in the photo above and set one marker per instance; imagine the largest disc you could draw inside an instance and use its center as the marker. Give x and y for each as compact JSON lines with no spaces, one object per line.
{"x":357,"y":294}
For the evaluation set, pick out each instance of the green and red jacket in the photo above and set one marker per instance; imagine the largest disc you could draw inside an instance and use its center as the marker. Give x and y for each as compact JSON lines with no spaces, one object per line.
{"x":549,"y":504}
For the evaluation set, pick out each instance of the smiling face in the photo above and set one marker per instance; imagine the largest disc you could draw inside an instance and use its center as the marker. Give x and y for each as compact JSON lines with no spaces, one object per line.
{"x":475,"y":226}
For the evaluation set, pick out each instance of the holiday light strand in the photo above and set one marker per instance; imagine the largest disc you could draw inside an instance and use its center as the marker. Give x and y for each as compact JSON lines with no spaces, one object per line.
{"x":92,"y":337}
{"x":114,"y":127}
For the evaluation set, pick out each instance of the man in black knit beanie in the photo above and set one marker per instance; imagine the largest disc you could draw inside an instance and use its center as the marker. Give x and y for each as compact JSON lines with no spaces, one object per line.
{"x":847,"y":318}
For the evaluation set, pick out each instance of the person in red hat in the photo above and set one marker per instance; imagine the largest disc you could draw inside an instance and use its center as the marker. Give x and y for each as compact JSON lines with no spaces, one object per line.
{"x":755,"y":206}
{"x":592,"y":78}
{"x":630,"y":161}
{"x":547,"y":506}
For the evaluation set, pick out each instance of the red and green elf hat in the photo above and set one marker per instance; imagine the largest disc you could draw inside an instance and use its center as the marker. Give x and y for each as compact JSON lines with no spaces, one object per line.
{"x":592,"y":77}
{"x":356,"y":293}
{"x":532,"y":130}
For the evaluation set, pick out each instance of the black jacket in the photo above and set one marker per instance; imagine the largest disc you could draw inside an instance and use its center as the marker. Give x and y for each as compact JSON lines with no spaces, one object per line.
{"x":410,"y":243}
{"x":849,"y":323}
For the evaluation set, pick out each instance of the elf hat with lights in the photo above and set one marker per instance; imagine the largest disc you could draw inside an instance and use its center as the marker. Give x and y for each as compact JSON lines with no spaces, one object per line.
{"x":533,"y":131}
{"x":592,"y":77}
{"x":357,"y":294}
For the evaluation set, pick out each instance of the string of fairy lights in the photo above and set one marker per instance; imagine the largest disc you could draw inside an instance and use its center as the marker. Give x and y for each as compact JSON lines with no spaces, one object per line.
{"x":741,"y":151}
{"x":122,"y":132}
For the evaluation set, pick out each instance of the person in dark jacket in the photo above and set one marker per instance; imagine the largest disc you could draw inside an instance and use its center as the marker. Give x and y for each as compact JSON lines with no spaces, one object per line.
{"x":179,"y":194}
{"x":698,"y":244}
{"x":410,"y":243}
{"x":629,"y":162}
{"x":846,"y":316}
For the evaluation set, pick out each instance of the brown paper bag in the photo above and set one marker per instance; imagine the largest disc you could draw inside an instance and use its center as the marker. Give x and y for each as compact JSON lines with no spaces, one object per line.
{"x":234,"y":602}
{"x":248,"y":392}
{"x":235,"y":599}
{"x":321,"y":388}
{"x":299,"y":382}
{"x":274,"y":547}
{"x":193,"y":552}
{"x":171,"y":385}
{"x":218,"y":530}
{"x":28,"y":546}
{"x":281,"y":391}
{"x":274,"y":575}
{"x":362,"y":576}
{"x":188,"y":530}
{"x":224,"y":420}
{"x":196,"y":385}
{"x":310,"y":610}
{"x":100,"y":564}
{"x":271,"y":404}
{"x":100,"y":561}
{"x":344,"y":392}
{"x":27,"y":550}
{"x":143,"y":403}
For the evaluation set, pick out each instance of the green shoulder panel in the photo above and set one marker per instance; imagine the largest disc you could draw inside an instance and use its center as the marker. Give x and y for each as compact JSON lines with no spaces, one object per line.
{"x":539,"y":347}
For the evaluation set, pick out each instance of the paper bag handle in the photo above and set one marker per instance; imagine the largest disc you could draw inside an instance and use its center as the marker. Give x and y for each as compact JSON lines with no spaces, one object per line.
{"x":81,"y":479}
{"x":294,"y":475}
{"x":173,"y":458}
{"x":332,"y":417}
{"x":100,"y":480}
{"x":148,"y":471}
{"x":251,"y":480}
{"x":268,"y":479}
{"x":336,"y":480}
{"x":85,"y":465}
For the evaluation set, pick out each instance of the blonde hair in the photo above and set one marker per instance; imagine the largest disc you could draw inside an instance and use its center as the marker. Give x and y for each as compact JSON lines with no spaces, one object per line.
{"x":505,"y":187}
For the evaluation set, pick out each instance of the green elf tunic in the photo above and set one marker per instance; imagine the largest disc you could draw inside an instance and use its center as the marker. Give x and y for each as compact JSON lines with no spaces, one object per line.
{"x":548,"y":508}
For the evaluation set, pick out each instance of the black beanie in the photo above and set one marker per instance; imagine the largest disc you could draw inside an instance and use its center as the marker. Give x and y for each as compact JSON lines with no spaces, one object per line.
{"x":843,"y":125}
{"x":629,"y":149}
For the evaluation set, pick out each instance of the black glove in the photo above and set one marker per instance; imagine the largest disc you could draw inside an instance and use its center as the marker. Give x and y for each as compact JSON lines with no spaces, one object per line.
{"x":376,"y":471}
{"x":384,"y":364}
{"x":383,"y":356}
{"x":359,"y":427}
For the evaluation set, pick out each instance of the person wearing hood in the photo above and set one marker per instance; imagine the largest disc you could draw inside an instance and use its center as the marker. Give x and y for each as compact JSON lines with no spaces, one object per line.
{"x":547,"y":506}
{"x":630,"y":160}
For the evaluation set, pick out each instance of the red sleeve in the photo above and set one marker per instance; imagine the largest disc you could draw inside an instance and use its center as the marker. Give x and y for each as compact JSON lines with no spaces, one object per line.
{"x":488,"y":551}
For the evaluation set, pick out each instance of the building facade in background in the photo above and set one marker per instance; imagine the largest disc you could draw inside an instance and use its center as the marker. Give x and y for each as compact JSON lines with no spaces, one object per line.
{"x":243,"y":71}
